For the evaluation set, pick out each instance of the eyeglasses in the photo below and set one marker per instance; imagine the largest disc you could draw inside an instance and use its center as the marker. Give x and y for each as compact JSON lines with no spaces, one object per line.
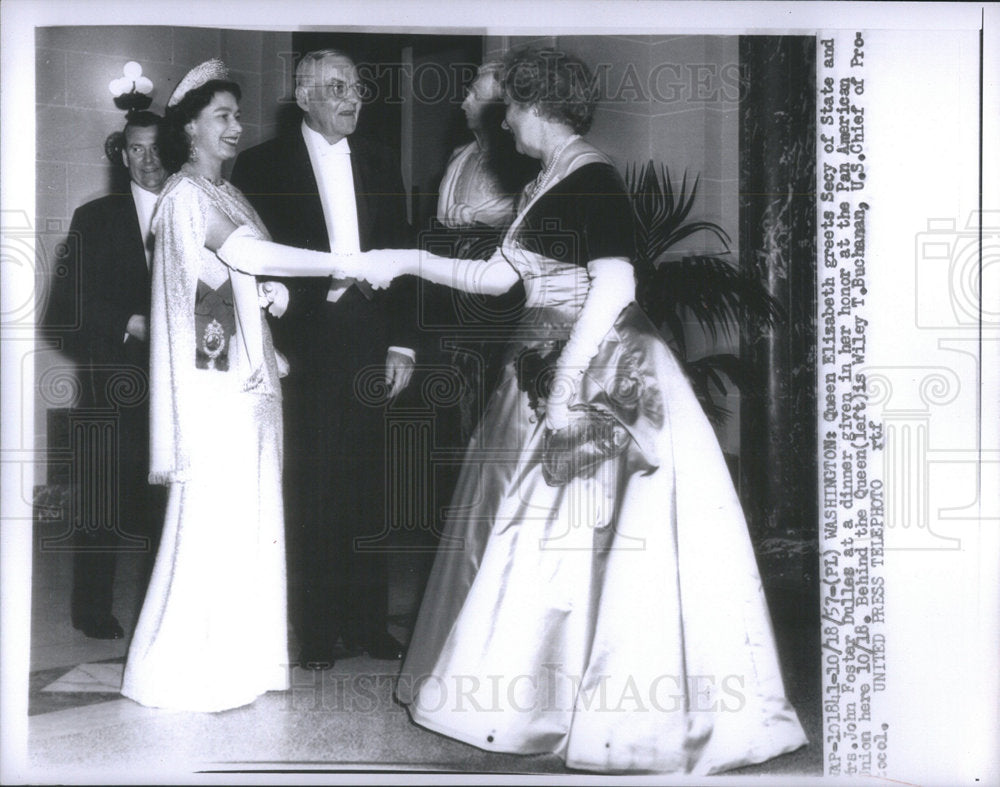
{"x":339,"y":89}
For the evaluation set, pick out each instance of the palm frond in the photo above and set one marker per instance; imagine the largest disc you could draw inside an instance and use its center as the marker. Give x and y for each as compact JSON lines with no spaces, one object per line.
{"x":709,"y":374}
{"x":739,"y":373}
{"x":712,"y":291}
{"x":708,"y":289}
{"x":661,"y":212}
{"x":702,"y":377}
{"x":671,"y":319}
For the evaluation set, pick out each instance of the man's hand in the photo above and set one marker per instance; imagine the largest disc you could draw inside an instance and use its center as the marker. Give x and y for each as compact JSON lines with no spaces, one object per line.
{"x":556,"y":415}
{"x":138,"y":327}
{"x":398,"y":371}
{"x":273,"y":296}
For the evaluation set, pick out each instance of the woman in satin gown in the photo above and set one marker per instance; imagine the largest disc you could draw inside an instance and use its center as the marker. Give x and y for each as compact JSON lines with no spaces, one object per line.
{"x":608,"y":610}
{"x":212,"y":631}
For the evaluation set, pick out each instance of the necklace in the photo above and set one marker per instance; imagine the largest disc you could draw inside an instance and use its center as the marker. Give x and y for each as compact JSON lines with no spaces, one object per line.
{"x":542,"y":181}
{"x":190,"y":169}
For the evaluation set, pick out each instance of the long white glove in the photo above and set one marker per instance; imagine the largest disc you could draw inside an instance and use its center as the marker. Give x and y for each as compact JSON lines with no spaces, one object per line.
{"x":612,"y":288}
{"x":494,"y":276}
{"x":243,"y":251}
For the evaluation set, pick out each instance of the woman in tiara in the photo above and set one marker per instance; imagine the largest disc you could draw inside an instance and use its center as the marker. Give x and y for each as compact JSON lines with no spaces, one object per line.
{"x":212,"y":633}
{"x":595,"y":593}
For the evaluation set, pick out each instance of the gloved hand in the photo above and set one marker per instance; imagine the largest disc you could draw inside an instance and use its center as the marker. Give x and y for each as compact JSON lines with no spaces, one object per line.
{"x":273,"y":296}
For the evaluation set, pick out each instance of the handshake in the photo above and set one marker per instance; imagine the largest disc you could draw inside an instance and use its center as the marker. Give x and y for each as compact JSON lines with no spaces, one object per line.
{"x":378,"y":267}
{"x":244,"y":250}
{"x":494,"y":276}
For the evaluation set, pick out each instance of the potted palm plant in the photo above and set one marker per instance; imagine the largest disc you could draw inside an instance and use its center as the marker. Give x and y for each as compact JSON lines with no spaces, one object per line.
{"x":677,"y":290}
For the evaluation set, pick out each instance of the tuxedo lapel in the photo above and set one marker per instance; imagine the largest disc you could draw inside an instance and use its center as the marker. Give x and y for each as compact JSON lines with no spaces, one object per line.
{"x":128,"y":238}
{"x":299,"y":168}
{"x":307,"y":203}
{"x":361,"y":170}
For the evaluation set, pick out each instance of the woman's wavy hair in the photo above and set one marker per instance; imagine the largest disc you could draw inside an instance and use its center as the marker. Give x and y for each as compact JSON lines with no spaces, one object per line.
{"x":511,"y":169}
{"x":174,"y":143}
{"x":559,"y":85}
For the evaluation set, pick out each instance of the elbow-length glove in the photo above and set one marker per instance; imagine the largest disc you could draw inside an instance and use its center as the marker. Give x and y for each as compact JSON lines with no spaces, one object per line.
{"x":244,"y":251}
{"x":612,"y":288}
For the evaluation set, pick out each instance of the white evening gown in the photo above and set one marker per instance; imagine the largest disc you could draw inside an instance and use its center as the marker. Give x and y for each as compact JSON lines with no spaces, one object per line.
{"x":212,"y":633}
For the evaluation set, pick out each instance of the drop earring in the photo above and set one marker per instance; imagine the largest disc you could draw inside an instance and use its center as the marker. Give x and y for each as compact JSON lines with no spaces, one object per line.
{"x":192,"y":146}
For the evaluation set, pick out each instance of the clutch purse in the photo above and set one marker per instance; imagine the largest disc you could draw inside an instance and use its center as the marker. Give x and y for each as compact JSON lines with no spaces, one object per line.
{"x":592,"y":437}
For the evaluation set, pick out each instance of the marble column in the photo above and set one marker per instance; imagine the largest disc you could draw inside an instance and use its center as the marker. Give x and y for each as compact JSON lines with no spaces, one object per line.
{"x":777,"y":243}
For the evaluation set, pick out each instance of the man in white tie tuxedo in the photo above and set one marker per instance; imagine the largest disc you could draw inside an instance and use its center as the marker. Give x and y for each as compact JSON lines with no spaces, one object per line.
{"x":324,"y":188}
{"x":109,"y":241}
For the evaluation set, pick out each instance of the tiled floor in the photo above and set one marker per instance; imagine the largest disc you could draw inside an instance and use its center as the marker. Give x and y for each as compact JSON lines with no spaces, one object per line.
{"x":55,"y":643}
{"x":339,"y":722}
{"x":344,"y":719}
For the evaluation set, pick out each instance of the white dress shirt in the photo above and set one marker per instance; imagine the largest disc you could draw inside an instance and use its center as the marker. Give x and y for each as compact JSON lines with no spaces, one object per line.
{"x":331,"y":165}
{"x":145,"y":201}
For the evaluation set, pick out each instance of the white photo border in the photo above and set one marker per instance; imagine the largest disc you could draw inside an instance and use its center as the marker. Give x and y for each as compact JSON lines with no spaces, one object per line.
{"x":945,"y":628}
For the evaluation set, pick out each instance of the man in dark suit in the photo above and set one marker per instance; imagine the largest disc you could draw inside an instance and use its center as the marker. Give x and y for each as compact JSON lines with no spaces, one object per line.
{"x":349,"y":351}
{"x":117,"y":509}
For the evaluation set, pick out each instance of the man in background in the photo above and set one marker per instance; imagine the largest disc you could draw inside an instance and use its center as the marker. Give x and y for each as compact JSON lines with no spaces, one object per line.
{"x":116,"y":508}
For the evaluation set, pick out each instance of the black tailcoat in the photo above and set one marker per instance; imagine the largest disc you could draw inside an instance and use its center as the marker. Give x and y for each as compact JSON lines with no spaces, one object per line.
{"x":335,"y":414}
